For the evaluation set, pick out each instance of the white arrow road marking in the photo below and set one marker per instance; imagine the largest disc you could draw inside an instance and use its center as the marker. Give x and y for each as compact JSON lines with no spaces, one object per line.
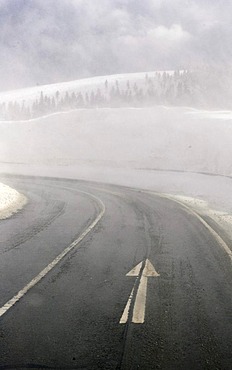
{"x":138,"y":316}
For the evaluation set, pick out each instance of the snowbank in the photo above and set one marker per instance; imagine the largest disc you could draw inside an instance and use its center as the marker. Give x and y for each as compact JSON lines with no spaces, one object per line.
{"x":10,"y":201}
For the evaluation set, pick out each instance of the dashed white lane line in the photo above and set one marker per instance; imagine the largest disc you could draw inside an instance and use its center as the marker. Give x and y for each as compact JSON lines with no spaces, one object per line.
{"x":8,"y":305}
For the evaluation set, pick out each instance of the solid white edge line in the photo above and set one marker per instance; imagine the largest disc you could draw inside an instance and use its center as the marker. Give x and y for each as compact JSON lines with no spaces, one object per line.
{"x":220,"y":241}
{"x":45,"y":271}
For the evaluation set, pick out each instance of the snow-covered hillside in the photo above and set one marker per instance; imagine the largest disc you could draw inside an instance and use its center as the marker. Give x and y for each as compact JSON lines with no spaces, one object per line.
{"x":149,"y":89}
{"x":115,"y":91}
{"x":83,"y":85}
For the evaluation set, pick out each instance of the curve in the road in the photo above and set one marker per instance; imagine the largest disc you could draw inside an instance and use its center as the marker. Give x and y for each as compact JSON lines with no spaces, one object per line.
{"x":72,"y":316}
{"x":8,"y":305}
{"x":218,"y":238}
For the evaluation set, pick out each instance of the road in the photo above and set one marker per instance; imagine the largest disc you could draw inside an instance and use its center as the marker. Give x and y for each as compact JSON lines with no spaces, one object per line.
{"x":130,"y":280}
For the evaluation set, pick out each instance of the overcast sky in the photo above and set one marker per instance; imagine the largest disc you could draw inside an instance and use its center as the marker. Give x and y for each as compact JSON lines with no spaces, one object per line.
{"x":46,"y":41}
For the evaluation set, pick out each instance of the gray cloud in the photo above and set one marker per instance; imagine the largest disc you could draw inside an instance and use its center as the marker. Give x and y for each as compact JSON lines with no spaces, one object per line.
{"x":56,"y":40}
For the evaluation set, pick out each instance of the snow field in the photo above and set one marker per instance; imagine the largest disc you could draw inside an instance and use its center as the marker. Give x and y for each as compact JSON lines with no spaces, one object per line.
{"x":142,"y":138}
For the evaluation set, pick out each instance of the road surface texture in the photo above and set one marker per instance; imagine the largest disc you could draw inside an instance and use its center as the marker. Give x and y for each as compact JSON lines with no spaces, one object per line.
{"x":106,"y":277}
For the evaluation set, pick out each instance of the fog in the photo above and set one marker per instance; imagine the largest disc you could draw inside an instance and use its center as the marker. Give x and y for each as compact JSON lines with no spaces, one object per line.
{"x":52,"y":41}
{"x":158,"y":138}
{"x":115,"y":184}
{"x":163,"y":101}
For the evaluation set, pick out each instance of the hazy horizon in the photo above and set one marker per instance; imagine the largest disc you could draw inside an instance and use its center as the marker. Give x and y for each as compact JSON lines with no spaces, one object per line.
{"x":55,"y":41}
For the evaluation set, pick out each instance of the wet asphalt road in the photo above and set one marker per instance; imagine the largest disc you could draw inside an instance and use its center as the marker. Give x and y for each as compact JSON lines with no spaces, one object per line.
{"x":71,"y":318}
